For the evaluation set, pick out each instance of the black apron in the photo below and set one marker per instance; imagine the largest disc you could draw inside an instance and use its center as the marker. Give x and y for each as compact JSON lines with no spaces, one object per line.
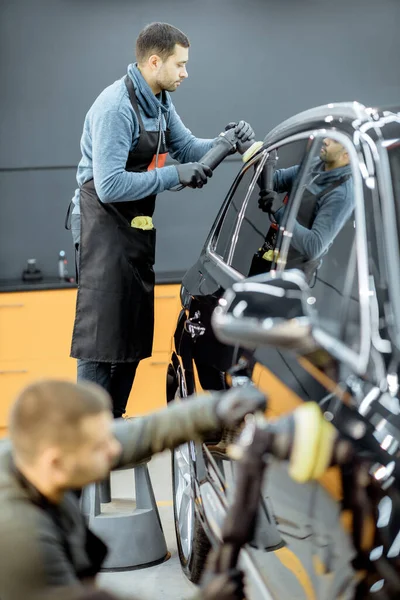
{"x":295,"y":260}
{"x":114,"y":319}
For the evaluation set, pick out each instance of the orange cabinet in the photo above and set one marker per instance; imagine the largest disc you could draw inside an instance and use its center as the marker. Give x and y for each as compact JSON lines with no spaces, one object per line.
{"x":35,"y":339}
{"x":36,"y":324}
{"x":149,"y":389}
{"x":16,"y":375}
{"x":167,"y":307}
{"x":148,"y":392}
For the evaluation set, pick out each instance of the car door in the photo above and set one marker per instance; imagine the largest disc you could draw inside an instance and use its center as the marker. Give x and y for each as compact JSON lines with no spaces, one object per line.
{"x":340,"y":292}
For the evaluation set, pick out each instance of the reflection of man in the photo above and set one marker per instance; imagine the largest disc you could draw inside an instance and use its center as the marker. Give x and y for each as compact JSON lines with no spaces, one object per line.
{"x":63,"y":437}
{"x":326,"y":204}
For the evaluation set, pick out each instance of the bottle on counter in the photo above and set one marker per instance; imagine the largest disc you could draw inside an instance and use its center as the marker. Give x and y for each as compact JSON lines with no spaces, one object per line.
{"x":63,"y":266}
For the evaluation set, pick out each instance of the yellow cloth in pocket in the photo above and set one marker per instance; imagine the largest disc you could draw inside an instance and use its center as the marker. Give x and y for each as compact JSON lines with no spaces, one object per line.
{"x":270,"y":255}
{"x":142,"y":223}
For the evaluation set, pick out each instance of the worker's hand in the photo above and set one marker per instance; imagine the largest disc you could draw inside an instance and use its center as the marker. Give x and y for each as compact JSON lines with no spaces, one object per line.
{"x":193,"y":174}
{"x":224,"y":586}
{"x":237,"y":402}
{"x":244,"y":132}
{"x":266,"y":200}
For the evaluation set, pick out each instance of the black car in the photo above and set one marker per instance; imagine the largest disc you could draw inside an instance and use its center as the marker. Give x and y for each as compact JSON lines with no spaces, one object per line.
{"x":351,"y":269}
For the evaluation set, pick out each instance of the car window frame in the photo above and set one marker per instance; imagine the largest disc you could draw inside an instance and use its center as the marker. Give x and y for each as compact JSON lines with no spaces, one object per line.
{"x":211,"y":243}
{"x":214,"y":235}
{"x":390,"y":225}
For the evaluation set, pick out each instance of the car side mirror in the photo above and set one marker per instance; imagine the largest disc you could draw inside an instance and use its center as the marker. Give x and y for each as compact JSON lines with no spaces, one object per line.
{"x":270,"y":309}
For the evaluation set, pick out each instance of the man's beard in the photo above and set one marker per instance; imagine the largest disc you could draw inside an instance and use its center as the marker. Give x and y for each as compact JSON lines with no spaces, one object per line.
{"x":167,"y":86}
{"x":170,"y":88}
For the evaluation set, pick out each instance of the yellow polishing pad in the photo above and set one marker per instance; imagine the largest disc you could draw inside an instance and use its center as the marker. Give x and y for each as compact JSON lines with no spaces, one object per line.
{"x":313,"y":443}
{"x":254,"y":148}
{"x":327,"y":440}
{"x":308,"y":419}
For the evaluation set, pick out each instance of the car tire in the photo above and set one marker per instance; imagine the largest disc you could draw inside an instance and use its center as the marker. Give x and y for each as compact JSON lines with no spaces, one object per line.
{"x":192,"y":541}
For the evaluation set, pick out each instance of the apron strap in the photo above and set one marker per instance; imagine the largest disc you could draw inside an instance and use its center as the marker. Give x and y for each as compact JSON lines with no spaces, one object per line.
{"x":334,"y":185}
{"x":133,"y":99}
{"x":67,"y":223}
{"x":132,"y":96}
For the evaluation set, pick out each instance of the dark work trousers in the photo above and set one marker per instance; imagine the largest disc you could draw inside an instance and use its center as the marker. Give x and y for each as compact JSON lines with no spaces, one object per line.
{"x":116,"y":378}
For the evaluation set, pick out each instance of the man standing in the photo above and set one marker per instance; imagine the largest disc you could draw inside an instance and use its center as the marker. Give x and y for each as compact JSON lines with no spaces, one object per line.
{"x":127,"y":134}
{"x":63,"y":437}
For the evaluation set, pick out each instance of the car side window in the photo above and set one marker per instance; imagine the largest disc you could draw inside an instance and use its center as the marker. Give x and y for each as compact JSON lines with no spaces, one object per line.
{"x":258,"y":227}
{"x":233,"y":205}
{"x":319,"y":239}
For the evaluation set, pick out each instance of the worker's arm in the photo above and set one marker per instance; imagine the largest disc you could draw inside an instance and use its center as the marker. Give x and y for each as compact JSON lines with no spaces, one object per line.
{"x":112,"y":133}
{"x":183,"y":145}
{"x":282,"y":182}
{"x":190,"y":419}
{"x":284,"y":179}
{"x":333,"y":213}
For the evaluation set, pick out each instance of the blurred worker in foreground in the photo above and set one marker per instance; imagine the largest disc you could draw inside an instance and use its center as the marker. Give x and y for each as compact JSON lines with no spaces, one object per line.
{"x":63,"y":437}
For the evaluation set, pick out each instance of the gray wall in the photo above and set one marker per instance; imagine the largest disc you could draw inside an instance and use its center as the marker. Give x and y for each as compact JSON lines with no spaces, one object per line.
{"x":261,"y":60}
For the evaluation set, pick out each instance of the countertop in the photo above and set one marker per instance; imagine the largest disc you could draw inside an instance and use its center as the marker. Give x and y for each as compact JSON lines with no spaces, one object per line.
{"x":53,"y":283}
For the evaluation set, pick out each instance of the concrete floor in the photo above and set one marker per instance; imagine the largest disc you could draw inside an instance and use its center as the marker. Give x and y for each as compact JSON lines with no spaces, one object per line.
{"x":165,"y":581}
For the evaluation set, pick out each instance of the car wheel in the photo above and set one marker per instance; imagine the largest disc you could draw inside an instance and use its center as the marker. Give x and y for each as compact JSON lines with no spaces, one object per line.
{"x":193,"y":544}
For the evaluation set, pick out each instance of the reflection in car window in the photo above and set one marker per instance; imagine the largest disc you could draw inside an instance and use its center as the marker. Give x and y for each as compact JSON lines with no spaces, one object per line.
{"x":394,"y":159}
{"x":238,"y":194}
{"x":327,"y":202}
{"x":335,"y":288}
{"x":323,"y":232}
{"x":324,"y":246}
{"x":249,"y":256}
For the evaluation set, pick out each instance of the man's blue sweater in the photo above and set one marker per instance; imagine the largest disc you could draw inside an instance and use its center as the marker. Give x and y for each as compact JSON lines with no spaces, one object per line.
{"x":111,"y":131}
{"x":331,"y":211}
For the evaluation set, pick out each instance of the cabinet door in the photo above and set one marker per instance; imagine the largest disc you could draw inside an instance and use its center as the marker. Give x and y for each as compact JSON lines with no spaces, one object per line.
{"x":15,"y":375}
{"x":36,"y":324}
{"x":35,"y":338}
{"x":167,"y":307}
{"x":149,"y":389}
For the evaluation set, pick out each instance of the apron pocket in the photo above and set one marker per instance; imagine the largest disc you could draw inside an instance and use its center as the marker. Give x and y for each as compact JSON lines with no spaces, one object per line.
{"x":139,"y":245}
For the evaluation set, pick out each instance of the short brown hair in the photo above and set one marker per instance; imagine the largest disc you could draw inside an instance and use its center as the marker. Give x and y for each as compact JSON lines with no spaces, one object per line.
{"x":50,"y":412}
{"x":160,"y":39}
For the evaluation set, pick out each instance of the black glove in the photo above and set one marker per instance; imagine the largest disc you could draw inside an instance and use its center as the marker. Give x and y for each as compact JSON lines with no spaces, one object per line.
{"x":244,"y":132}
{"x":193,"y":174}
{"x":225,"y":586}
{"x":266,"y":200}
{"x":237,"y":402}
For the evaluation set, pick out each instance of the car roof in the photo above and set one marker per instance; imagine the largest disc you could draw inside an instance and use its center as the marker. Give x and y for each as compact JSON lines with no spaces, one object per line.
{"x":348,"y":116}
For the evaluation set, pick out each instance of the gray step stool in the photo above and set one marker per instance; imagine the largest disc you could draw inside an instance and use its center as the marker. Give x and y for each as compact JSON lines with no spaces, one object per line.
{"x":133,"y":533}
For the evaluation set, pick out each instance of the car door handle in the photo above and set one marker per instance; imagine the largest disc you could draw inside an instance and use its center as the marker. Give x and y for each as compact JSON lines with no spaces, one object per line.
{"x":194,"y":328}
